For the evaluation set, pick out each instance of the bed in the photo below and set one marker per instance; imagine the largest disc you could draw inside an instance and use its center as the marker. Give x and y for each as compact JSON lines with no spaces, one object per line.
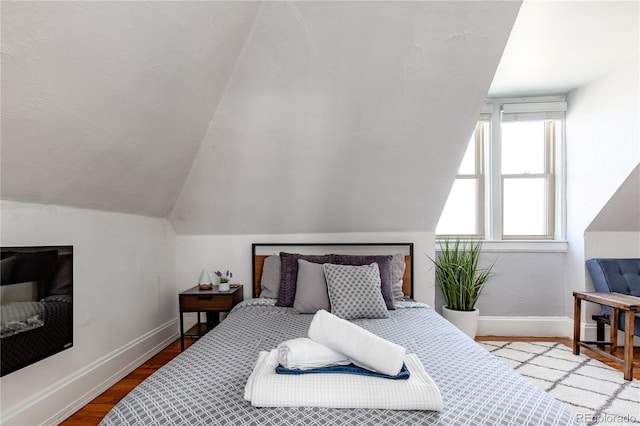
{"x":205,"y":384}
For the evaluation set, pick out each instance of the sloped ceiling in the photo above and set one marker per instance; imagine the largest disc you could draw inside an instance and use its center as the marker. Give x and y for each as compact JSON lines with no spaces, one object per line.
{"x":558,"y":46}
{"x":245,"y":117}
{"x":105,"y":104}
{"x":345,"y":117}
{"x":622,"y":211}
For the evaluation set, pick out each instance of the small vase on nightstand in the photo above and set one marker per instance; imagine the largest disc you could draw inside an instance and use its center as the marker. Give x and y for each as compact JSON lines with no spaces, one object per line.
{"x":223,"y":280}
{"x":205,"y":282}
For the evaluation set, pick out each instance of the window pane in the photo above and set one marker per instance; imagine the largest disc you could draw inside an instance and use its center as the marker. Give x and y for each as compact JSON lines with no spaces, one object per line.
{"x":523,"y":147}
{"x":459,"y":214}
{"x":524,"y":206}
{"x":468,"y":166}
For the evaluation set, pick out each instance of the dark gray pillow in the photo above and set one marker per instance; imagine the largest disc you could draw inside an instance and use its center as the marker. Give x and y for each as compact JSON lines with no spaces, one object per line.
{"x":354,"y":291}
{"x":289,"y":274}
{"x":384,"y":266}
{"x":270,"y":279}
{"x":311,"y":289}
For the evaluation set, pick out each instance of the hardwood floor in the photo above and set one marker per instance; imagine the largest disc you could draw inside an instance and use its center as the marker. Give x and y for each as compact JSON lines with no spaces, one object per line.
{"x":92,"y":413}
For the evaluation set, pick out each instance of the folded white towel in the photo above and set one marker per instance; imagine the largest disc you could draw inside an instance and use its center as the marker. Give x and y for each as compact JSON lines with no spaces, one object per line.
{"x":364,"y":348}
{"x":304,"y":353}
{"x":266,"y":388}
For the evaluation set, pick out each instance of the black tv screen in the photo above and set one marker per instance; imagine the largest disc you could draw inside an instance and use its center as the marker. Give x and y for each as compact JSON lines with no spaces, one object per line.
{"x":36,"y":304}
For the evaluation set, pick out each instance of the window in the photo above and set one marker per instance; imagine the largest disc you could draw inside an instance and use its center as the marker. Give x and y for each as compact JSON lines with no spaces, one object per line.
{"x":509,"y":185}
{"x":462,"y":214}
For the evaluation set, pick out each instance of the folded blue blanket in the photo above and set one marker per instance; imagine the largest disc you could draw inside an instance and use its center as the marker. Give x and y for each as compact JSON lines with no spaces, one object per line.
{"x":346,"y":369}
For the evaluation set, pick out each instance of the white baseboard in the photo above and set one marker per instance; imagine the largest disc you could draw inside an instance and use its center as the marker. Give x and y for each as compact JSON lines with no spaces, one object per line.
{"x":75,"y":391}
{"x":525,"y":326}
{"x":541,"y":327}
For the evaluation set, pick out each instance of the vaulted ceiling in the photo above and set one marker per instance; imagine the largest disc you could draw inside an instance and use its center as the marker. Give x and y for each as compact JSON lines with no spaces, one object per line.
{"x":345,"y":117}
{"x":246,"y":117}
{"x":105,"y":104}
{"x":558,"y":46}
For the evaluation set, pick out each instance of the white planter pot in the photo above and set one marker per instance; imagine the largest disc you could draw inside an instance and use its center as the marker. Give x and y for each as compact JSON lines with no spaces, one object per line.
{"x":466,"y":321}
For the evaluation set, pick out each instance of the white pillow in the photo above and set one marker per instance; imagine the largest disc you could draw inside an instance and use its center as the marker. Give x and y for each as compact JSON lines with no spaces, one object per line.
{"x":354,"y":291}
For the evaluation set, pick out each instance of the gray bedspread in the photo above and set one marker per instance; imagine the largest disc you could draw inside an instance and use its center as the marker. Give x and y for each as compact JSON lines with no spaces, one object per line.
{"x":205,"y":384}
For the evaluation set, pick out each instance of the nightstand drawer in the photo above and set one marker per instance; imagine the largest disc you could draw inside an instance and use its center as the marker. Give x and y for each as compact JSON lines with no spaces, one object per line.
{"x":206,"y":302}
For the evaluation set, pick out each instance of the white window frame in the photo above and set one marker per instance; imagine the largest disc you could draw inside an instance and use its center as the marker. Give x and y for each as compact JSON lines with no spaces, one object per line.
{"x":480,"y":136}
{"x":488,"y":153}
{"x":549,"y":175}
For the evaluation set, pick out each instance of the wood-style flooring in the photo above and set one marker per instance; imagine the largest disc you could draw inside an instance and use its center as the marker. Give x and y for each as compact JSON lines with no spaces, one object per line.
{"x":92,"y":413}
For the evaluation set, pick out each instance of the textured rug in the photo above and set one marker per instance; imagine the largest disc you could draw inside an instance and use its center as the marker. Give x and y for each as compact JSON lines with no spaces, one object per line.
{"x":597,"y":393}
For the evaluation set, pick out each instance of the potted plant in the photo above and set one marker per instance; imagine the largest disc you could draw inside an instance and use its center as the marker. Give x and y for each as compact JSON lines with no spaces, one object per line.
{"x":223,"y":280}
{"x":461,"y":282}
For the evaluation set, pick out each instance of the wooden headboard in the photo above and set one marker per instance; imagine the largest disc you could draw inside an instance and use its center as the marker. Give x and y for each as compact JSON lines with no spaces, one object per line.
{"x":389,"y":248}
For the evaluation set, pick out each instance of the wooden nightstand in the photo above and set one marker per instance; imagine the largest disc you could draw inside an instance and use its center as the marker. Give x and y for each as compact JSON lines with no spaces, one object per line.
{"x":212,"y":302}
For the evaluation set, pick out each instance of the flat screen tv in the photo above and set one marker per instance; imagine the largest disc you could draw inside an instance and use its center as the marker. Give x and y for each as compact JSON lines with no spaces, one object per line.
{"x":36,"y":304}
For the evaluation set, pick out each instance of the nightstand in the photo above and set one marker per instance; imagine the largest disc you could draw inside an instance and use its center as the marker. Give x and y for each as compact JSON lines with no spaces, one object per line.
{"x":212,"y":302}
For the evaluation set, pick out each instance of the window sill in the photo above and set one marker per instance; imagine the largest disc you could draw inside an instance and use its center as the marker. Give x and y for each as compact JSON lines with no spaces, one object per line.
{"x":522,"y":246}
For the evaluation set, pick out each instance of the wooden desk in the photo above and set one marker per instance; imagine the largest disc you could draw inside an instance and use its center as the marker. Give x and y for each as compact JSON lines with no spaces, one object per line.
{"x":617,"y":302}
{"x":210,"y":301}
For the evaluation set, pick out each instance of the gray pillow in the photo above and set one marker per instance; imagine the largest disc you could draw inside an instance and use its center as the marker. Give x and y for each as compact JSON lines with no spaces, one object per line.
{"x":289,"y":274}
{"x":384,"y":266}
{"x":311,"y":289}
{"x":397,"y":272}
{"x":354,"y":291}
{"x":270,"y":280}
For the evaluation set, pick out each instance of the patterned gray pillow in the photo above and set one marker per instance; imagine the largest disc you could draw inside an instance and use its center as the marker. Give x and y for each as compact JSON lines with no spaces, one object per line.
{"x":354,"y":291}
{"x":384,"y":266}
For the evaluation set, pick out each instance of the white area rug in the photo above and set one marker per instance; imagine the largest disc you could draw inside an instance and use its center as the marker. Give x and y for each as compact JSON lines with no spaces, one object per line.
{"x":597,"y":393}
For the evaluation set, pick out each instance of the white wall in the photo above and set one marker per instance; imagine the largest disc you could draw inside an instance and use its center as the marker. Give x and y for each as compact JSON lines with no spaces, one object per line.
{"x":525,"y":296}
{"x":525,"y":284}
{"x":622,"y":212}
{"x":603,"y":123}
{"x":125,"y":304}
{"x":233,"y":252}
{"x":611,"y":244}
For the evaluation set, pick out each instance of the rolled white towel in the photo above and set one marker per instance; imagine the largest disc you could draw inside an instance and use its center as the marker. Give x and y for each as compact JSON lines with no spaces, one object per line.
{"x":304,"y":353}
{"x":364,"y":348}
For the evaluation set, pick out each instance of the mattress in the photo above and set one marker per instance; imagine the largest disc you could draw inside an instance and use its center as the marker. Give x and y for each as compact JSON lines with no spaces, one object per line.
{"x":205,"y":384}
